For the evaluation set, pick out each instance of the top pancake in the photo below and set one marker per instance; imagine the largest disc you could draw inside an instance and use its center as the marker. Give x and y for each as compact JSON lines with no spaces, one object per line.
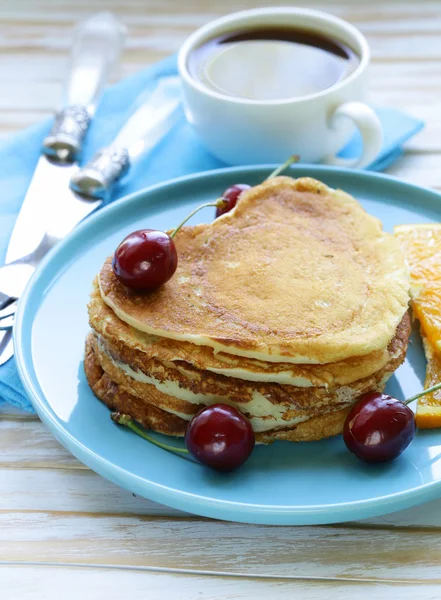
{"x":114,"y":331}
{"x":297,"y":272}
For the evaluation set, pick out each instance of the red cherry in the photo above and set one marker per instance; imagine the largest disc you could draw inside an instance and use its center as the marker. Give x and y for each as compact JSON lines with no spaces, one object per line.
{"x":378,"y":428}
{"x":145,"y":259}
{"x":220,"y":437}
{"x":231,"y":195}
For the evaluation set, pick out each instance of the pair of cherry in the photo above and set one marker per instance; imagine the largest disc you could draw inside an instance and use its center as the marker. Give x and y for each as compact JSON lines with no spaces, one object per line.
{"x":378,"y":428}
{"x":146,"y":259}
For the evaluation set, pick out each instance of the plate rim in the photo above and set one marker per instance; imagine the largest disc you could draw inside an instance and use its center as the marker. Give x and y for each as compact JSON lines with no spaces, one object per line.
{"x":183,"y":500}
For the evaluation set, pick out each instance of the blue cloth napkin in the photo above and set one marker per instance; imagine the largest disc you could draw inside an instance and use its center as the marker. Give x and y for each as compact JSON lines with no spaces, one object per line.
{"x":178,"y":154}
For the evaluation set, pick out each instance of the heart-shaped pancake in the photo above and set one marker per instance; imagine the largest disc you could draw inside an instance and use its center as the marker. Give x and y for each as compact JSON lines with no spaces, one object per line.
{"x":297,"y":272}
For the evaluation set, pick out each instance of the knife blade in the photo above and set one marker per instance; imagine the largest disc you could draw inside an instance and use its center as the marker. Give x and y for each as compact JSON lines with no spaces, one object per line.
{"x":50,"y":209}
{"x":48,"y":213}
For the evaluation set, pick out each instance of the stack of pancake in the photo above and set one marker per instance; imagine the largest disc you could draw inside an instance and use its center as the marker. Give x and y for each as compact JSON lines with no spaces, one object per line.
{"x":289,"y":307}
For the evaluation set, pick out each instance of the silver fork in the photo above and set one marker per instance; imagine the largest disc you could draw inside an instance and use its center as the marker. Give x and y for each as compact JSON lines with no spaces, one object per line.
{"x":13,"y":280}
{"x":7,"y":312}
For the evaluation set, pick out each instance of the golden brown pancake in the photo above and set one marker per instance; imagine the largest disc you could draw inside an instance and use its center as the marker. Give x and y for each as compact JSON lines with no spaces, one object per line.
{"x":104,"y":321}
{"x":297,"y":272}
{"x":263,"y":413}
{"x":159,"y":420}
{"x":183,"y":390}
{"x":186,"y":382}
{"x":116,"y":399}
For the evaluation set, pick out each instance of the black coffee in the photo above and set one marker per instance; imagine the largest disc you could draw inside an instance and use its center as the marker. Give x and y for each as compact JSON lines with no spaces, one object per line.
{"x":271,"y":63}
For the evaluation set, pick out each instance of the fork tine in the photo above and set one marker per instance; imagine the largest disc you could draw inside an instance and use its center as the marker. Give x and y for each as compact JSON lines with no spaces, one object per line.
{"x":6,"y":346}
{"x":8,"y":310}
{"x":7,"y":323}
{"x":4,"y":300}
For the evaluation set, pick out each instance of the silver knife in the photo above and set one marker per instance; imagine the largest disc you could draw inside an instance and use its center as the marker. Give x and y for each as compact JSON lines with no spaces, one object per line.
{"x":50,"y":209}
{"x":96,"y":47}
{"x":156,"y":112}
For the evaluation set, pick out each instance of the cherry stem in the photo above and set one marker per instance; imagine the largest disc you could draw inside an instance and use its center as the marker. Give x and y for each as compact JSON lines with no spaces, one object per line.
{"x":220,"y":203}
{"x":127,"y":421}
{"x":291,"y":160}
{"x":423,"y":393}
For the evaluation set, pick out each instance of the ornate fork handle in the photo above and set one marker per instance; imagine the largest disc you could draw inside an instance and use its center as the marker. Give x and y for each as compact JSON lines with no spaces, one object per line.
{"x":106,"y":167}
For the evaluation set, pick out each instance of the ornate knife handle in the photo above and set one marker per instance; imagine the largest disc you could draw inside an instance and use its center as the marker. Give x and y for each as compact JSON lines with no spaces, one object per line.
{"x":66,"y":136}
{"x":106,"y":167}
{"x":97,"y":44}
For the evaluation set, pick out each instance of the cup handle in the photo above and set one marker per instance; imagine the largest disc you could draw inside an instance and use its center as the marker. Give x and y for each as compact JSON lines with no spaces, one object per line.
{"x":369,"y":126}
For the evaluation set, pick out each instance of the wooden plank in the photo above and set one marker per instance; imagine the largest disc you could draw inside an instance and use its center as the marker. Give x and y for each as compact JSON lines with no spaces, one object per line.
{"x":73,"y":491}
{"x":22,"y":581}
{"x":392,"y":18}
{"x":419,"y":168}
{"x":25,"y":442}
{"x":7,"y":411}
{"x":355,"y":552}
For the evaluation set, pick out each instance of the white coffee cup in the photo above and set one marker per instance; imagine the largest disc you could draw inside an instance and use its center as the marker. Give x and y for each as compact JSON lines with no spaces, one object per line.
{"x":246,"y":131}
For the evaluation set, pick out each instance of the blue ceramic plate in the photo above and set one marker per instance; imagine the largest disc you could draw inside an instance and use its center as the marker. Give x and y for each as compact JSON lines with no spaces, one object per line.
{"x":286,"y":484}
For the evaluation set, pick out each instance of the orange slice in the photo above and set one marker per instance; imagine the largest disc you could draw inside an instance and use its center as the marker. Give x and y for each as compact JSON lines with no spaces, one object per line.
{"x":428,"y":414}
{"x":421,"y":245}
{"x":418,"y":241}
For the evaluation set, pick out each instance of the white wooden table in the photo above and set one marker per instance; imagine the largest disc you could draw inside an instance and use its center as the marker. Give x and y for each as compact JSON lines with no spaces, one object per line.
{"x":66,"y":533}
